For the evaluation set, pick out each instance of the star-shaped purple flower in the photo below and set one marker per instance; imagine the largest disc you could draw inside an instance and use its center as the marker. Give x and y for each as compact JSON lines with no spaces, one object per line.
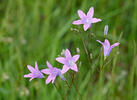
{"x":35,"y":73}
{"x":53,"y":72}
{"x":107,"y":47}
{"x":87,"y":20}
{"x":68,"y":61}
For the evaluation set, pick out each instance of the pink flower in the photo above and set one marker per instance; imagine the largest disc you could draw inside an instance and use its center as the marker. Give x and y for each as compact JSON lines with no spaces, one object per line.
{"x":87,"y":20}
{"x":107,"y":47}
{"x":35,"y":73}
{"x":53,"y":72}
{"x":68,"y":61}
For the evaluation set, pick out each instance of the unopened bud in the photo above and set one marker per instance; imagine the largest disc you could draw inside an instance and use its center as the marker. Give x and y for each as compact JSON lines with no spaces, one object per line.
{"x":106,"y":30}
{"x":78,"y":50}
{"x":74,"y":29}
{"x":63,"y":53}
{"x":91,"y":56}
{"x":118,"y":52}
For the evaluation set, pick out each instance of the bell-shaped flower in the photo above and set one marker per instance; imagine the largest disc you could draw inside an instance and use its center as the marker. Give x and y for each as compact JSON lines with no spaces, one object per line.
{"x":107,"y":47}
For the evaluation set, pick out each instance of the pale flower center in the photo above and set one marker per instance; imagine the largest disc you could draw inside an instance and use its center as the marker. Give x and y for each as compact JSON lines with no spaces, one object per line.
{"x":86,"y":21}
{"x":55,"y":72}
{"x":71,"y":63}
{"x":38,"y":75}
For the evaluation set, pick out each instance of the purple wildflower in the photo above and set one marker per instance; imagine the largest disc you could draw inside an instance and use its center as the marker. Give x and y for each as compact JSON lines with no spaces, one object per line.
{"x":52,"y":72}
{"x":69,"y":61}
{"x":106,"y":30}
{"x":35,"y":73}
{"x":107,"y":47}
{"x":87,"y":20}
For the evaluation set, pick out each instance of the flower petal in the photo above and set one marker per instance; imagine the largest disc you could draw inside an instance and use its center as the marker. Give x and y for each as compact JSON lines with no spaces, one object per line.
{"x":45,"y":71}
{"x":77,"y":22}
{"x":61,"y":60}
{"x":31,"y":78}
{"x":95,"y":20}
{"x":67,"y":53}
{"x":106,"y":47}
{"x":49,"y":65}
{"x":30,"y":68}
{"x":74,"y":68}
{"x":90,"y":12}
{"x":53,"y":79}
{"x":64,"y":69}
{"x":36,"y":66}
{"x":76,"y":57}
{"x":108,"y":52}
{"x":28,"y":75}
{"x":114,"y":45}
{"x":100,"y":42}
{"x":81,"y":14}
{"x":106,"y":44}
{"x":38,"y":75}
{"x":48,"y":79}
{"x":62,"y":77}
{"x":86,"y":26}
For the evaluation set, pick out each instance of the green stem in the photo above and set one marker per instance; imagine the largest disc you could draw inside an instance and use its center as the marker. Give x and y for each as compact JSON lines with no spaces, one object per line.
{"x":131,"y":74}
{"x":72,"y":77}
{"x":85,"y":48}
{"x":67,"y":84}
{"x":69,"y":87}
{"x":101,"y":77}
{"x":58,"y":91}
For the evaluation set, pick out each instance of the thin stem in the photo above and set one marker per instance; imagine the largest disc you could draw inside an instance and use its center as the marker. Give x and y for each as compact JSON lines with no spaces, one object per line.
{"x":72,"y":78}
{"x":67,"y":84}
{"x":101,"y":78}
{"x":85,"y":48}
{"x":58,"y":91}
{"x":88,"y":39}
{"x":132,"y":74}
{"x":77,"y":90}
{"x":84,"y":44}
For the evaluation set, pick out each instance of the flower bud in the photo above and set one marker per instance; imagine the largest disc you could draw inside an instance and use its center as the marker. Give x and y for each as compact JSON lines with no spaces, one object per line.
{"x":78,"y":50}
{"x":106,"y":30}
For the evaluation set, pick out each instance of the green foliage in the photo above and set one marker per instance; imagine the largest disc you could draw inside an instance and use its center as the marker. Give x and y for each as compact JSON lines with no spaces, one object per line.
{"x":38,"y":30}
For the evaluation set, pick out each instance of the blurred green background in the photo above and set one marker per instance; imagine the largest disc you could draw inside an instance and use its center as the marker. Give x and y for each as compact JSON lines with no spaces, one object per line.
{"x":38,"y":30}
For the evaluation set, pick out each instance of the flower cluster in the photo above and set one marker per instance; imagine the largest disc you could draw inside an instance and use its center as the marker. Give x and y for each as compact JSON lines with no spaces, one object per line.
{"x":87,"y":20}
{"x":68,"y":62}
{"x":106,"y":45}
